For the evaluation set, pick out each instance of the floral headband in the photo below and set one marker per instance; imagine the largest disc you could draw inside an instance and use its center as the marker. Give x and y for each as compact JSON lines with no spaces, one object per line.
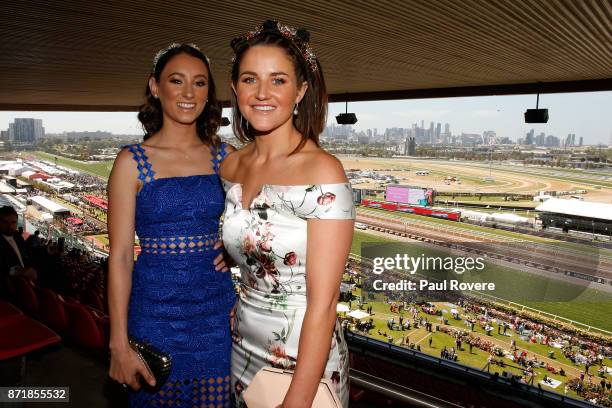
{"x":172,"y":46}
{"x":298,"y":36}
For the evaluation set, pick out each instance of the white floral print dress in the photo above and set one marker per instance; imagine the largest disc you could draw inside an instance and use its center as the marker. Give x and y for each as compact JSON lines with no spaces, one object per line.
{"x":268,"y":241}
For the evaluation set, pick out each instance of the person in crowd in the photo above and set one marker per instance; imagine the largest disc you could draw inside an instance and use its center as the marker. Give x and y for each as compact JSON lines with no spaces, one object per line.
{"x":167,"y":190}
{"x":289,"y":217}
{"x":14,"y":259}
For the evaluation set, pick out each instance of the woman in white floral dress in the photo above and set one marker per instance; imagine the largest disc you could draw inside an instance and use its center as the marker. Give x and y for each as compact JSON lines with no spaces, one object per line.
{"x":288,"y":219}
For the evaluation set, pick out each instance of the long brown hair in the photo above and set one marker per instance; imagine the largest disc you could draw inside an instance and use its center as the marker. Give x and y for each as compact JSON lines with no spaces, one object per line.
{"x":312,"y":109}
{"x":150,"y":114}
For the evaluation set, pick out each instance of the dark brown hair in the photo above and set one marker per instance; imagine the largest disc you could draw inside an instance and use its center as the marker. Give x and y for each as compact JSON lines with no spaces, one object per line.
{"x":312,"y":109}
{"x":7,"y":210}
{"x":150,"y":114}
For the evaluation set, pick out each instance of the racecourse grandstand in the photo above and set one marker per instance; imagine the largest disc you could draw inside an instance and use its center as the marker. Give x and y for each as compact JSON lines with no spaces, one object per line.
{"x":576,"y":215}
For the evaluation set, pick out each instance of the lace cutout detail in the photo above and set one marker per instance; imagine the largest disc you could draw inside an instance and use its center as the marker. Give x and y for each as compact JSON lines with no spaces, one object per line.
{"x":178,"y":245}
{"x":218,"y":154}
{"x":145,"y":172}
{"x":205,"y":392}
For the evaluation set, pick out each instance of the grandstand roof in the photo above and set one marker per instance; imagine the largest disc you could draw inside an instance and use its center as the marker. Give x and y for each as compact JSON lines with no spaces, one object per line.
{"x":49,"y":205}
{"x":6,"y":189}
{"x":577,"y":208}
{"x":85,"y":55}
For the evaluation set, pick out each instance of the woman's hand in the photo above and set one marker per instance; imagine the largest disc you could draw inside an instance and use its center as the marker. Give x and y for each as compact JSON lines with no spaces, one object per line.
{"x":127,"y":368}
{"x":223,"y":262}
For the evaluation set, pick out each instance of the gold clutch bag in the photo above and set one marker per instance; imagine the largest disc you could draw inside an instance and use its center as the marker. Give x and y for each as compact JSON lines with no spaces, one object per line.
{"x":270,"y":385}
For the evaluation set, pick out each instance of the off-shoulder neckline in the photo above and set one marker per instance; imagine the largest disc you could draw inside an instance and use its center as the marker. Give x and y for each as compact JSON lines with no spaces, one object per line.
{"x":289,"y":185}
{"x":266,"y":185}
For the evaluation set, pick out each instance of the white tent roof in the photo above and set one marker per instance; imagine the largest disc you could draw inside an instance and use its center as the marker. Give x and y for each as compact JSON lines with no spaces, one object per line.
{"x":46,"y":216}
{"x":5,"y":188}
{"x":341,"y":308}
{"x":49,"y":205}
{"x":346,"y":287}
{"x":577,"y":208}
{"x":358,"y":314}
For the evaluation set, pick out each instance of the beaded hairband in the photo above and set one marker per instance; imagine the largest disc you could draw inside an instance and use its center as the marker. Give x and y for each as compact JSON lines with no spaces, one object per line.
{"x":298,"y":36}
{"x":172,"y":46}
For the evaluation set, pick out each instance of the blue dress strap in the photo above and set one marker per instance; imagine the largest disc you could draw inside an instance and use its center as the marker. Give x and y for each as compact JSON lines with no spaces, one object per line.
{"x":145,"y":172}
{"x":218,"y":154}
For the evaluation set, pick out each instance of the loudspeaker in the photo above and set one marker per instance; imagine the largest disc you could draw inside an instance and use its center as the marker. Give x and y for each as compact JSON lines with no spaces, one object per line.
{"x":346,"y":119}
{"x":536,"y":116}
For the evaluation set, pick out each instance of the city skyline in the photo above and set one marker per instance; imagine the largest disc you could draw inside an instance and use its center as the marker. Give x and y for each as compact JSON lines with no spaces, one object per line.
{"x":586,"y":115}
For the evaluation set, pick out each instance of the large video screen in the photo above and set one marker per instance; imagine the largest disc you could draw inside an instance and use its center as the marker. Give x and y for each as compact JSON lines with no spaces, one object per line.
{"x":410,"y":195}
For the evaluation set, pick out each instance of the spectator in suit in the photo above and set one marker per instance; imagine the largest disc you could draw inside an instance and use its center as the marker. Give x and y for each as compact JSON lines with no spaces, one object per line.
{"x":13,"y":256}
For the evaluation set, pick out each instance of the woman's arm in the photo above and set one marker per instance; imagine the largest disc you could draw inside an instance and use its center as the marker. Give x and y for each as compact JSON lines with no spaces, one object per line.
{"x":329,"y":242}
{"x":122,"y":189}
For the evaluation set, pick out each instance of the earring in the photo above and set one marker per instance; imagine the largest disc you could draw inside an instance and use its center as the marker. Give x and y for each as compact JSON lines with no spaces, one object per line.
{"x":295,"y":110}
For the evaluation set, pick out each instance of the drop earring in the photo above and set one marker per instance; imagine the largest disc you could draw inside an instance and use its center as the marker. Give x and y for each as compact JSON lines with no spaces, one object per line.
{"x":295,"y":110}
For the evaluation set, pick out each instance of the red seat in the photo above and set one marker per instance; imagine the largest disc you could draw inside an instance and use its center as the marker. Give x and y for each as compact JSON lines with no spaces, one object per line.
{"x":103,"y":322}
{"x":8,"y":310}
{"x":25,"y":335}
{"x":84,"y":329}
{"x":25,"y":295}
{"x":52,"y":311}
{"x":91,"y":298}
{"x":6,"y":289}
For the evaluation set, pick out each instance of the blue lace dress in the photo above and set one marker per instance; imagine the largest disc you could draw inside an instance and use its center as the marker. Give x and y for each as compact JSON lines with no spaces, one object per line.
{"x":179,"y":303}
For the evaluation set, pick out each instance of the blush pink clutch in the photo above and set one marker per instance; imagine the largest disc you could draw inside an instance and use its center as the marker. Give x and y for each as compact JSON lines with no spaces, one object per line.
{"x":269,"y":386}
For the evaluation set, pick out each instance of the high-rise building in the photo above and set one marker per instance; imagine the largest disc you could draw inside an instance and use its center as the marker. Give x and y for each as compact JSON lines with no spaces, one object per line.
{"x":431,"y":133}
{"x":410,"y":146}
{"x":530,"y":138}
{"x":552,"y":141}
{"x":540,"y":139}
{"x":438,"y":132}
{"x":26,"y":130}
{"x":581,"y":141}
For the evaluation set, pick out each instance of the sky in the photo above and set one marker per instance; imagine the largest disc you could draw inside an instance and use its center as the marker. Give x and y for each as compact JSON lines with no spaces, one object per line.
{"x":587,"y":114}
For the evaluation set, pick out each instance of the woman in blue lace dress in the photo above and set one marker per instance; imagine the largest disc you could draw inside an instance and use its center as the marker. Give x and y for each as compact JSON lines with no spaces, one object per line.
{"x":167,"y":190}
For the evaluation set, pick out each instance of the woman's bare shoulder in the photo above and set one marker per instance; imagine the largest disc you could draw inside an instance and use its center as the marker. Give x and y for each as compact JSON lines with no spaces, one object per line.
{"x":320,"y":167}
{"x":231,"y":162}
{"x":124,"y":173}
{"x":124,"y":162}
